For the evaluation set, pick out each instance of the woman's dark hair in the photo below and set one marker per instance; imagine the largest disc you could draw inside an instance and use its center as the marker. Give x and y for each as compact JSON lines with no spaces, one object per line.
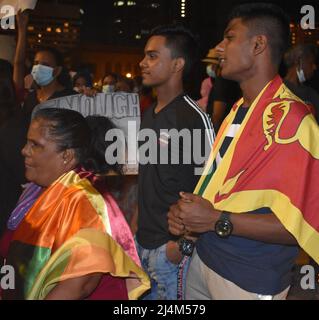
{"x":96,"y":162}
{"x":64,"y":77}
{"x":86,"y":136}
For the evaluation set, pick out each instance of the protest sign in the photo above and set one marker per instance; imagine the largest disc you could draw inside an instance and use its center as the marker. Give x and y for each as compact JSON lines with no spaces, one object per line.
{"x":122,"y":108}
{"x":19,"y":4}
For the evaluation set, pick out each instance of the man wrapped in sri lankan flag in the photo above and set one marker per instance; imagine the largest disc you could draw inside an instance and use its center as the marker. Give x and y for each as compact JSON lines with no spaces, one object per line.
{"x":272,"y":165}
{"x":272,"y":162}
{"x":258,"y":197}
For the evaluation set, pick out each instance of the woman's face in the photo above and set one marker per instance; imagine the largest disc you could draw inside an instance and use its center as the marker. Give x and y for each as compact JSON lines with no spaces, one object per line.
{"x":47,"y":59}
{"x":43,"y":163}
{"x":80,"y":83}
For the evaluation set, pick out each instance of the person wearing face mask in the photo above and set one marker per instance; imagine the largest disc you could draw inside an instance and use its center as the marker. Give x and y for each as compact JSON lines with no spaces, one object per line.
{"x":211,"y":70}
{"x":207,"y":84}
{"x":108,"y":83}
{"x":301,"y":64}
{"x":51,"y":80}
{"x":81,"y":81}
{"x":108,"y":88}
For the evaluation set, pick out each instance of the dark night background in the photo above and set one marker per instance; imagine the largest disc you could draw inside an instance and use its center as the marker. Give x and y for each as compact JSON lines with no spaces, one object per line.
{"x":206,"y":18}
{"x":106,"y":23}
{"x":110,"y":35}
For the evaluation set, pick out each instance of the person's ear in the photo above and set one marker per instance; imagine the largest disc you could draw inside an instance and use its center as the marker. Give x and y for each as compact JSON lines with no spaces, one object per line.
{"x":179,"y":64}
{"x":260,"y":44}
{"x":68,"y":157}
{"x":57,"y":71}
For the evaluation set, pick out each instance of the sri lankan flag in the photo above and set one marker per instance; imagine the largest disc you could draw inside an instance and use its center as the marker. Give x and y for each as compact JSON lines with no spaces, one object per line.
{"x":273,"y":161}
{"x":67,"y":234}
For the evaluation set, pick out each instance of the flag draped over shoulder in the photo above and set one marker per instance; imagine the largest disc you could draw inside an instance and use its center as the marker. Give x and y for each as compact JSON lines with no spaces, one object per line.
{"x":68,"y":233}
{"x":273,"y":161}
{"x":90,"y":250}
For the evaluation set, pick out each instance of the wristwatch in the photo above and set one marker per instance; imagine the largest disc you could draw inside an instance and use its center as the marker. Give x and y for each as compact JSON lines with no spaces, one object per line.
{"x":186,"y":247}
{"x":223,"y":226}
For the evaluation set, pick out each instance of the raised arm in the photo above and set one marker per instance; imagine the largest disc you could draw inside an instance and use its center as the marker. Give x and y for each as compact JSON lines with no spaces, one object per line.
{"x":20,"y":54}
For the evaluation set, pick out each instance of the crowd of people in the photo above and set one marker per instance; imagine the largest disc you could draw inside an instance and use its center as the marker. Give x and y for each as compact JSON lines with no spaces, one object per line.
{"x":234,"y":231}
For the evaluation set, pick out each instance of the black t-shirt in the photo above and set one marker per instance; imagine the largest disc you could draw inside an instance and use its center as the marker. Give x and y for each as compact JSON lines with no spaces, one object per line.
{"x":223,"y":90}
{"x":159,"y":184}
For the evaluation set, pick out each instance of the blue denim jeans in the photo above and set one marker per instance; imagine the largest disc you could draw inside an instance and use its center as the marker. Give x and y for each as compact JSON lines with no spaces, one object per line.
{"x":162,"y":272}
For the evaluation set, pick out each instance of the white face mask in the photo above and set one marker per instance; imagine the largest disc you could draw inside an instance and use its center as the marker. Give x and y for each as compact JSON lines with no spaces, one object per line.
{"x":210,"y":72}
{"x":42,"y":75}
{"x":108,"y":88}
{"x":301,"y":75}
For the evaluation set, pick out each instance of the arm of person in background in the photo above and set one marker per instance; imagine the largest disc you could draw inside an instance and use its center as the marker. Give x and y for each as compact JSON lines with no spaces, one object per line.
{"x":76,"y":288}
{"x":198,"y":215}
{"x":20,"y":54}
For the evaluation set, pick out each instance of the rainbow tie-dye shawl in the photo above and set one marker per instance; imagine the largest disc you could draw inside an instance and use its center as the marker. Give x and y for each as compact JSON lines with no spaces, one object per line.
{"x":73,"y":230}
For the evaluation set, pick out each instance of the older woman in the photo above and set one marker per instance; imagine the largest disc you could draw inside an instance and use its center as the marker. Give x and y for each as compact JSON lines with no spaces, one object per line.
{"x":69,"y":240}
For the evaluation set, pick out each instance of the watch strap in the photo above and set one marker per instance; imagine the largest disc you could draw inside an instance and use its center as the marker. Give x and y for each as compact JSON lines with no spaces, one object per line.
{"x":224,"y":216}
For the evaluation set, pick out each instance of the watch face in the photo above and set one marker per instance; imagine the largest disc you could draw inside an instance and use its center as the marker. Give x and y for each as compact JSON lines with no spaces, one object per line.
{"x":223,"y":228}
{"x":186,"y":247}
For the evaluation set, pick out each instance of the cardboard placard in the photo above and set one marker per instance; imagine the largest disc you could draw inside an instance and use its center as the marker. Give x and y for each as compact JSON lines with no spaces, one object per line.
{"x":121,"y":108}
{"x":19,"y":4}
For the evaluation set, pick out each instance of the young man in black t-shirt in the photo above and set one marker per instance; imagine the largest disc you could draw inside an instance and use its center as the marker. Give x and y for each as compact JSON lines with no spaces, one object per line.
{"x":169,"y":54}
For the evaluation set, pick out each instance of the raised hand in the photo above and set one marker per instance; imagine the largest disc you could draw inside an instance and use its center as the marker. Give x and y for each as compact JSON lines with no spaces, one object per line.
{"x":22,"y":20}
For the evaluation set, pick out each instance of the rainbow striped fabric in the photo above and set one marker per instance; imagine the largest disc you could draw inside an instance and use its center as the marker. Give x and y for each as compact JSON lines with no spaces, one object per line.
{"x":68,"y":233}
